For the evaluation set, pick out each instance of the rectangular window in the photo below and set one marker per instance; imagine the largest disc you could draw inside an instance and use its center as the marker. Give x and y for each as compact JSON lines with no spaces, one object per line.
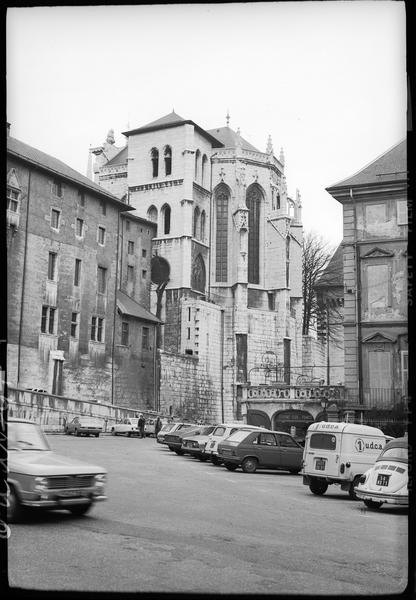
{"x":189,"y":313}
{"x":127,"y":225}
{"x":47,"y":324}
{"x":101,"y":236}
{"x":401,"y":212}
{"x":74,"y":325}
{"x":52,"y":266}
{"x":79,"y":227}
{"x":145,"y":338}
{"x":323,"y":441}
{"x":270,"y":296}
{"x":375,"y":214}
{"x":77,"y":273}
{"x":144,"y":274}
{"x":144,"y":253}
{"x":379,"y":369}
{"x":81,"y":198}
{"x":130,"y":248}
{"x":12,"y":200}
{"x":101,"y":280}
{"x":55,"y":215}
{"x":124,"y":333}
{"x":103,"y":207}
{"x":97,"y":329}
{"x":130,"y":273}
{"x":378,"y":286}
{"x":57,"y":188}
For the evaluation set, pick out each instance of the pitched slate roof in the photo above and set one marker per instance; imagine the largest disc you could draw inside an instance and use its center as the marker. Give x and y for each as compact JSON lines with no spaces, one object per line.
{"x":333,"y":276}
{"x":390,"y":166}
{"x":228,"y":137}
{"x":173,"y":120}
{"x":53,"y":165}
{"x":118,"y":159}
{"x":128,"y":306}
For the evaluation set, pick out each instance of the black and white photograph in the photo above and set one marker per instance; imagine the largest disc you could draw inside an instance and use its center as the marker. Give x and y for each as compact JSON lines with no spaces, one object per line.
{"x":204,"y":370}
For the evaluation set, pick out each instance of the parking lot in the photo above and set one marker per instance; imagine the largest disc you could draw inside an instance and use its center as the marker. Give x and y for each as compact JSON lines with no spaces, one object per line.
{"x":174,"y":524}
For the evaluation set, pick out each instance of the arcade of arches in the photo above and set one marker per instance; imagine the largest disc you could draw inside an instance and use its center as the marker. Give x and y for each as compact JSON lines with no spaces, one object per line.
{"x":284,"y":420}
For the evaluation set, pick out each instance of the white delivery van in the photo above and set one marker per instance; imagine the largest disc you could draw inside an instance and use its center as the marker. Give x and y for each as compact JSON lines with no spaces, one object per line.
{"x":339,"y":453}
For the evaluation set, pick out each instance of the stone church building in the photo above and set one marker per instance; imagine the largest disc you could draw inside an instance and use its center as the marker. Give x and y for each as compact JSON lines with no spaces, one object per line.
{"x":227,"y":261}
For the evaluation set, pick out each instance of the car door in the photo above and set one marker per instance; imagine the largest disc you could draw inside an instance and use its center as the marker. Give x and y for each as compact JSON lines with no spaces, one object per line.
{"x":290,"y":453}
{"x":267,"y":450}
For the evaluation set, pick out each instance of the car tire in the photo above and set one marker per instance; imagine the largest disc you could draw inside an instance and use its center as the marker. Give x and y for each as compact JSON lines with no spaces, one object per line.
{"x":66,"y":432}
{"x":203,"y":458}
{"x":97,"y":435}
{"x":249,"y":465}
{"x":230,"y":466}
{"x":77,"y":433}
{"x":171,"y":448}
{"x":80,"y":509}
{"x":215,"y":460}
{"x":14,"y":509}
{"x":112,"y":431}
{"x":318,"y":487}
{"x":129,"y":434}
{"x":180,"y":452}
{"x":353,"y":485}
{"x":372,"y":504}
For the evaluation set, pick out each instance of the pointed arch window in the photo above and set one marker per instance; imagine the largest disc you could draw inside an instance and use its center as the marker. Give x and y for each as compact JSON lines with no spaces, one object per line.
{"x":168,"y":160}
{"x":287,"y":260}
{"x":154,"y":153}
{"x":204,"y":165}
{"x":166,"y":212}
{"x":221,"y":235}
{"x":253,"y":201}
{"x":203,"y":225}
{"x":197,"y":160}
{"x":198,"y":275}
{"x":196,"y":222}
{"x":152,"y":214}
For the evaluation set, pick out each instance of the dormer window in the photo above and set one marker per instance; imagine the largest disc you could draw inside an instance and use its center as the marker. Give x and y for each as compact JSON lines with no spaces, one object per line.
{"x":12,"y":200}
{"x":168,"y":160}
{"x":154,"y":153}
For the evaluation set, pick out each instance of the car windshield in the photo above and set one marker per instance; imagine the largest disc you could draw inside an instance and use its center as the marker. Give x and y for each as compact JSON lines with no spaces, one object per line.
{"x":219,"y":431}
{"x":89,"y":421}
{"x":207,"y":430}
{"x":395,"y":452}
{"x":239,"y":435}
{"x":26,"y":436}
{"x":167,"y":426}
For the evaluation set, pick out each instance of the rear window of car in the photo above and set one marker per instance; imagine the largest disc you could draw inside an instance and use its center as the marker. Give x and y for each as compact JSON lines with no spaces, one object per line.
{"x":219,"y":431}
{"x":287,"y":442}
{"x":239,"y":435}
{"x":184,"y":426}
{"x":323,"y":441}
{"x":400,"y":453}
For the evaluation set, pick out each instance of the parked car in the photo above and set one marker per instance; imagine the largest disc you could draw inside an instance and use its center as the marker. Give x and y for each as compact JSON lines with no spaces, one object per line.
{"x":339,"y":453}
{"x":39,"y":478}
{"x":387,"y":481}
{"x":220,"y":433}
{"x":175,"y":440}
{"x":149,"y":427}
{"x":84,"y":426}
{"x":254,"y":450}
{"x":127,"y":427}
{"x":177,"y":427}
{"x":195,"y":444}
{"x":160,"y":438}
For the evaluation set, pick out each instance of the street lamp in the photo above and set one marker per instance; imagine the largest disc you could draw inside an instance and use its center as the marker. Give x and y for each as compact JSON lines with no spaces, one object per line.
{"x":324,"y":404}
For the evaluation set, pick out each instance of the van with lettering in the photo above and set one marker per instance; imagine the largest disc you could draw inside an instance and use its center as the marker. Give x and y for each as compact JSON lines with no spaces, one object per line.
{"x":339,"y":453}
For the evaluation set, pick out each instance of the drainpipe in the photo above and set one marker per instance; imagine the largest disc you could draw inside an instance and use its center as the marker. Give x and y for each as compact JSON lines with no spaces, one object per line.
{"x":357,"y":301}
{"x":115,"y":310}
{"x":222,"y":365}
{"x":210,"y":228}
{"x":23,"y":280}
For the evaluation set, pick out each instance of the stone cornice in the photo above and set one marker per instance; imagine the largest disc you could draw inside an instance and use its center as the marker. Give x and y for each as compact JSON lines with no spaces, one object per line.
{"x":201,"y":189}
{"x":157,"y":185}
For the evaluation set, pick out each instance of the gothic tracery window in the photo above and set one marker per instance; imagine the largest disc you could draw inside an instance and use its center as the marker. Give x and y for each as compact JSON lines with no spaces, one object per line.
{"x":203,"y":222}
{"x":196,"y":222}
{"x":154,"y":153}
{"x":221,"y":237}
{"x":204,"y":170}
{"x":197,"y":159}
{"x":168,"y":160}
{"x":166,"y":212}
{"x":253,"y":200}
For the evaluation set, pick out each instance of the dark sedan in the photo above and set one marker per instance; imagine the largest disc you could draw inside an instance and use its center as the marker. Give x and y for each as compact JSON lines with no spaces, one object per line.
{"x":254,"y":450}
{"x":174,"y":440}
{"x":84,"y":426}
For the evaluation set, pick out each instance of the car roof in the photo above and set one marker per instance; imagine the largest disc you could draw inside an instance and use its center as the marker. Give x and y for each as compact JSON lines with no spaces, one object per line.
{"x":402,"y":442}
{"x":18,"y":420}
{"x":338,"y":427}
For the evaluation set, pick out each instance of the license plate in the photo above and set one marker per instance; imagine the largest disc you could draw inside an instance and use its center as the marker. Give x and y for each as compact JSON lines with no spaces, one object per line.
{"x":320,"y":464}
{"x":70,"y":493}
{"x":383,"y":479}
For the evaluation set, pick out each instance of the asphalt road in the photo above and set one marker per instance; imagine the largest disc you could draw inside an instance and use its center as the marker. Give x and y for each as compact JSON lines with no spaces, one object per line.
{"x":174,"y":524}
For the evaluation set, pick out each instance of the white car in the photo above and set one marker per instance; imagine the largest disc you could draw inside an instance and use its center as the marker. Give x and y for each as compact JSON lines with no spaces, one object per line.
{"x":128,"y":427}
{"x":220,"y":433}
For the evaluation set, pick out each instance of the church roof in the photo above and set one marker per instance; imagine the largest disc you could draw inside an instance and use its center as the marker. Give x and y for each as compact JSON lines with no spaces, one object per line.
{"x":390,"y":166}
{"x":128,"y":306}
{"x":333,"y":275}
{"x":53,"y":165}
{"x":173,"y":120}
{"x":120,"y":158}
{"x":228,"y":137}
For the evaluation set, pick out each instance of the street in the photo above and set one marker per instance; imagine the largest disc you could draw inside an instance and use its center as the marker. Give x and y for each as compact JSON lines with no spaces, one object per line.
{"x":174,"y":524}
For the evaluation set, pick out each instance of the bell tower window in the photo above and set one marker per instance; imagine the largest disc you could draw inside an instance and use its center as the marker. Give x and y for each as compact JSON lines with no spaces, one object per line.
{"x":168,"y":160}
{"x":253,"y":200}
{"x":154,"y":153}
{"x":221,"y":237}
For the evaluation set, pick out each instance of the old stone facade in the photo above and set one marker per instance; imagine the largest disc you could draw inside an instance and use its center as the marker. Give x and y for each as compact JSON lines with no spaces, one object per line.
{"x":375,"y":281}
{"x":66,"y":258}
{"x":232,"y":240}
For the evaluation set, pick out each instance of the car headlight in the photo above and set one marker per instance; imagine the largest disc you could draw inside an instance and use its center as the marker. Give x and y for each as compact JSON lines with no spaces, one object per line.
{"x":41,"y":484}
{"x":100,"y":479}
{"x":363,"y":479}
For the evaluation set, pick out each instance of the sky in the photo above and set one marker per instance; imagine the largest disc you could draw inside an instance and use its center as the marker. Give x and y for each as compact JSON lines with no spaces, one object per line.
{"x":326,"y":80}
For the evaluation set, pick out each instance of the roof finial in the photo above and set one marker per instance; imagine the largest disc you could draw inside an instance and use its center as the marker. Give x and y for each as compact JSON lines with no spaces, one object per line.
{"x":110,"y":137}
{"x":269,"y":148}
{"x":228,"y":117}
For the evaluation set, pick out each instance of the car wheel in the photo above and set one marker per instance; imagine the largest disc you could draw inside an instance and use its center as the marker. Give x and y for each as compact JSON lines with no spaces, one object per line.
{"x":112,"y":431}
{"x":203,"y":457}
{"x":14,"y":508}
{"x":353,"y":485}
{"x":77,"y":433}
{"x":171,"y":448}
{"x":215,"y":460}
{"x":97,"y":435}
{"x":372,"y":504}
{"x":80,"y":509}
{"x":66,"y":432}
{"x":318,"y":487}
{"x":179,"y":452}
{"x":129,"y":434}
{"x":230,"y":466}
{"x":249,"y":465}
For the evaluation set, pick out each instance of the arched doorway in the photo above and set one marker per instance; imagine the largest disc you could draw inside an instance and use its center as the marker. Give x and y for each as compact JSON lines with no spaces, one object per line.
{"x":300,"y":420}
{"x":258,"y":418}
